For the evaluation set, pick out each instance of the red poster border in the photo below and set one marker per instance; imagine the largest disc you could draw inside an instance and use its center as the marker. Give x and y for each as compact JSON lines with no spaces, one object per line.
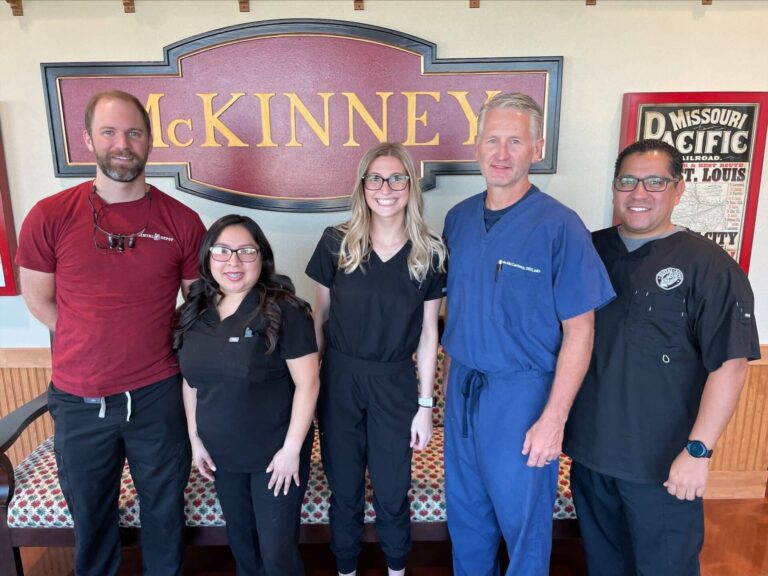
{"x":632,"y":102}
{"x":7,"y":231}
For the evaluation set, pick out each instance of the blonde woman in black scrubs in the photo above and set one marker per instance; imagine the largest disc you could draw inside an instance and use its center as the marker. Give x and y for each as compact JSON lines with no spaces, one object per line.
{"x":249,"y":360}
{"x":380,"y":279}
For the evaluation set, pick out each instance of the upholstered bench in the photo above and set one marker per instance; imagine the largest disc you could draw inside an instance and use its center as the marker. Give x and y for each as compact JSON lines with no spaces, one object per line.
{"x":36,"y":513}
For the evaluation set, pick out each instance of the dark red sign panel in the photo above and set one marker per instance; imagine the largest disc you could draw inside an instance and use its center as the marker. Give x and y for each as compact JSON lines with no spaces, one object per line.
{"x":7,"y":234}
{"x":277,"y":114}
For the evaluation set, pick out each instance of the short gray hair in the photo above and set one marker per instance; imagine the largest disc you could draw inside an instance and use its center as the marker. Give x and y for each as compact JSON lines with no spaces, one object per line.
{"x":515,"y":101}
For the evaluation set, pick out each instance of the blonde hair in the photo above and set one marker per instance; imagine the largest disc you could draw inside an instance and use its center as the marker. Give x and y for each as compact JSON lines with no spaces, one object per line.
{"x":356,"y":241}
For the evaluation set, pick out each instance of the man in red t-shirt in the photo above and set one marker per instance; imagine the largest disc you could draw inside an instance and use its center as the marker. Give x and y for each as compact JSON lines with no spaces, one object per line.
{"x":101,"y":266}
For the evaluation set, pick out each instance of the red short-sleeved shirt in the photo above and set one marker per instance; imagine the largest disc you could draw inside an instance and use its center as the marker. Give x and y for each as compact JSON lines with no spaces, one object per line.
{"x":115,"y":309}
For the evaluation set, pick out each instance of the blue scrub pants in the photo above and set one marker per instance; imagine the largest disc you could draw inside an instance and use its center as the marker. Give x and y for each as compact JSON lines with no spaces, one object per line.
{"x":490,"y":491}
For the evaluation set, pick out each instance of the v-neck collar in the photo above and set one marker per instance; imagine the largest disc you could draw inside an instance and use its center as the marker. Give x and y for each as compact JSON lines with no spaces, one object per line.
{"x":394,"y":256}
{"x":211,"y":315}
{"x":528,"y":197}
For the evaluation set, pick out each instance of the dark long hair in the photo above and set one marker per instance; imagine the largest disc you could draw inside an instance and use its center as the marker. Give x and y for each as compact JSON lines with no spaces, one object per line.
{"x":273,"y":288}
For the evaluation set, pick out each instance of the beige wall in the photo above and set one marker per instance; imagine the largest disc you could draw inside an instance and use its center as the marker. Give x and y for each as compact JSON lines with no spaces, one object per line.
{"x":609,"y":49}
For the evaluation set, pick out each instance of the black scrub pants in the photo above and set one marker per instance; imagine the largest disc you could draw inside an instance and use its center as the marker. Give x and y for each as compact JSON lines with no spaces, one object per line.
{"x":365,"y":412}
{"x":263,"y":529}
{"x":634,"y":529}
{"x":90,"y":454}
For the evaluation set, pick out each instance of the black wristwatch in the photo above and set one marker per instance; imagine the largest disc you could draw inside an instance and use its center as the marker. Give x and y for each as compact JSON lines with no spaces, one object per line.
{"x":697,"y":449}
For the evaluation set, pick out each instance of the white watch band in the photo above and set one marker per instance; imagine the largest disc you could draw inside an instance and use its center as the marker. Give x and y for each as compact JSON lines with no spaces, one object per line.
{"x":426,"y":402}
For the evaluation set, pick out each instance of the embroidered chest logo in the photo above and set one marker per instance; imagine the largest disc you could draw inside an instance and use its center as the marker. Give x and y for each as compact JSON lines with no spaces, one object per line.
{"x":669,"y":278}
{"x":156,"y":237}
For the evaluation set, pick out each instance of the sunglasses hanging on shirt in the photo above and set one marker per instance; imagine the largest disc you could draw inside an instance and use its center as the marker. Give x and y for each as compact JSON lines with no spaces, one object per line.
{"x":103,"y":239}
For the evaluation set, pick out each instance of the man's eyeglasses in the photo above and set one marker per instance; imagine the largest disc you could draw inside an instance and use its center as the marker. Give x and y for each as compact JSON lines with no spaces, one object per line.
{"x":108,"y":241}
{"x":650,"y":183}
{"x":375,"y":182}
{"x":245,"y":254}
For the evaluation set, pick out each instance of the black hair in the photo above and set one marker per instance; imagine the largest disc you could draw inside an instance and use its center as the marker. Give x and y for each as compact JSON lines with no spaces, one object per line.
{"x":651,"y":145}
{"x":273,"y":288}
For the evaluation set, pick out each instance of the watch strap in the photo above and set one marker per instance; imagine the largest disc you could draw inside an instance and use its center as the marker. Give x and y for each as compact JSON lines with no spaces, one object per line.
{"x":697,"y":449}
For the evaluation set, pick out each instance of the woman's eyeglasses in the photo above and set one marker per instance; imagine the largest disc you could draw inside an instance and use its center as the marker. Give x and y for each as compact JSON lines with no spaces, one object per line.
{"x":375,"y":182}
{"x":244,"y":254}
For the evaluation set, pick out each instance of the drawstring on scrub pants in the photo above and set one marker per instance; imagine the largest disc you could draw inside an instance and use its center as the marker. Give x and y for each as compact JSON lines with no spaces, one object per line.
{"x":103,"y":407}
{"x":472,"y":385}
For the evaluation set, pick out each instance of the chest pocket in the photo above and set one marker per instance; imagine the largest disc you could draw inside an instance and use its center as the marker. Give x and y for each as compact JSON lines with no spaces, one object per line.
{"x":514,"y":294}
{"x":217,"y":359}
{"x":657,"y":321}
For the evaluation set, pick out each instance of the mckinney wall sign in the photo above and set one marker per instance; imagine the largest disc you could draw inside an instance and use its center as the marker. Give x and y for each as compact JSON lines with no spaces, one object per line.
{"x":277,"y":114}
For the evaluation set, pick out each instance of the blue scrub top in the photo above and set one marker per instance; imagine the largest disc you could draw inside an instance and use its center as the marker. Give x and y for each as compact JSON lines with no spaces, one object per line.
{"x":511,"y":287}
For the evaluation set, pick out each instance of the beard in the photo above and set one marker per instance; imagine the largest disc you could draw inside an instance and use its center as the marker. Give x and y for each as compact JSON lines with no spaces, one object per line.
{"x":121,"y":172}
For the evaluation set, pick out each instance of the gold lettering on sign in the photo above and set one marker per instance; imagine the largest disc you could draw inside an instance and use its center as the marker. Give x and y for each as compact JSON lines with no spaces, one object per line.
{"x":172,"y":132}
{"x":153,"y":109}
{"x":213,"y":123}
{"x":266,"y":120}
{"x":411,"y":119}
{"x":354,"y":104}
{"x":323,"y":134}
{"x":183,"y":132}
{"x":469,"y":114}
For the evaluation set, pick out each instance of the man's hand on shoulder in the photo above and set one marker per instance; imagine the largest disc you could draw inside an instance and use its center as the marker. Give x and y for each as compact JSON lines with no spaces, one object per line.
{"x":687,"y":476}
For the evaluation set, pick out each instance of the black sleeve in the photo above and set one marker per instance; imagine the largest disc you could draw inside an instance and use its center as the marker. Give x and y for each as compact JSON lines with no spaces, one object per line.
{"x":322,"y":266}
{"x":297,"y":334}
{"x":725,"y":321}
{"x":435,"y":282}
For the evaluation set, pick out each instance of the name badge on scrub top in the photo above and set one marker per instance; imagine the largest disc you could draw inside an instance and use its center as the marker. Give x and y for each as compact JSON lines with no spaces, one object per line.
{"x":247,"y":334}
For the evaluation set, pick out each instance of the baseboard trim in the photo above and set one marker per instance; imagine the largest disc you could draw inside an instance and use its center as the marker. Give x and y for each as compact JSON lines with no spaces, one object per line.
{"x":725,"y":484}
{"x":25,"y":357}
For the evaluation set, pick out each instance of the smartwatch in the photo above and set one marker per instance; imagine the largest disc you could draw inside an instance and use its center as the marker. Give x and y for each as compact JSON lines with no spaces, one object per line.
{"x":426,"y":402}
{"x":697,"y":449}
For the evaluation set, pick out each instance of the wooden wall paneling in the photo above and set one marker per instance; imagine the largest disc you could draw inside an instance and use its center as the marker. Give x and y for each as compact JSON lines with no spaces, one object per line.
{"x":739,"y":466}
{"x":24,"y":374}
{"x":18,"y":386}
{"x":744,"y":444}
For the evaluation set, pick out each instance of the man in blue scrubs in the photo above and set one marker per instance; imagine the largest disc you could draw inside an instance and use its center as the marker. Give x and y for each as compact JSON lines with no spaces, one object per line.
{"x":522,"y":286}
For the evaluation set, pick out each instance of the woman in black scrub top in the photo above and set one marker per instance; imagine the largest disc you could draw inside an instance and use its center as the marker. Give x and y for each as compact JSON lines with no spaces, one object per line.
{"x":380,"y":279}
{"x":248,"y":355}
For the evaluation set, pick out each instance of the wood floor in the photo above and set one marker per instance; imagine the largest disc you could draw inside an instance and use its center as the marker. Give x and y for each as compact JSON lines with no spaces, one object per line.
{"x":736,"y":545}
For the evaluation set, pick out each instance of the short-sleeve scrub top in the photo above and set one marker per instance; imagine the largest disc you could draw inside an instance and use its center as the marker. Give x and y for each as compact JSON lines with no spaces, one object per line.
{"x":244,"y":395}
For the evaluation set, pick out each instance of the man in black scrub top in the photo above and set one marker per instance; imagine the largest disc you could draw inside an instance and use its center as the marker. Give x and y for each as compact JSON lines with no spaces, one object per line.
{"x":669,"y":362}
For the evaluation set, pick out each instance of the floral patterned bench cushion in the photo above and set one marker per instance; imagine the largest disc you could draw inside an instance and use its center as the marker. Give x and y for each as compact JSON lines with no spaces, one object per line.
{"x":38,"y":502}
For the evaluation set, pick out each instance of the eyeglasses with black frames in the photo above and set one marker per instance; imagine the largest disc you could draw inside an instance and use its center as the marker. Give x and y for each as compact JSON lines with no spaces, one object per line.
{"x":396,"y":182}
{"x":650,"y":183}
{"x":244,"y":254}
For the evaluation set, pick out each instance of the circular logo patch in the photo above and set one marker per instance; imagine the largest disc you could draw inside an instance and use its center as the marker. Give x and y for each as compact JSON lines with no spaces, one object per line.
{"x":669,"y":278}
